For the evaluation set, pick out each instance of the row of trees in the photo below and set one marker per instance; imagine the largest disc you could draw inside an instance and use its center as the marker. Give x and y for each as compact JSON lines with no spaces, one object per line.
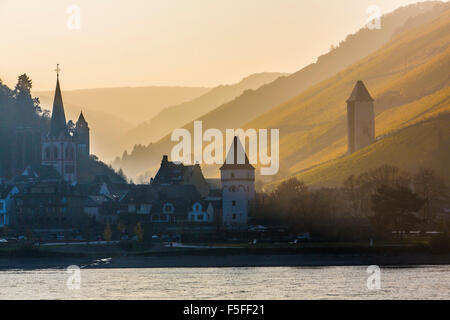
{"x":376,"y":202}
{"x":18,"y":109}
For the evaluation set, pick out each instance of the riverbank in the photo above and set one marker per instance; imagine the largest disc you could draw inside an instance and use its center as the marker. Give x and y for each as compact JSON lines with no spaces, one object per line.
{"x":220,"y":255}
{"x":186,"y":260}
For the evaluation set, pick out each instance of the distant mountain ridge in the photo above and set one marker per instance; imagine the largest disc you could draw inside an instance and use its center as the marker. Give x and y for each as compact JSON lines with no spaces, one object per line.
{"x":176,"y":116}
{"x":130,"y":103}
{"x":111,"y":112}
{"x":250,"y":105}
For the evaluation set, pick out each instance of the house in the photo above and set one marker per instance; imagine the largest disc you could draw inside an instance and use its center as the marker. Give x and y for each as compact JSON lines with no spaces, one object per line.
{"x":171,"y":173}
{"x":46,"y":205}
{"x":6,"y":194}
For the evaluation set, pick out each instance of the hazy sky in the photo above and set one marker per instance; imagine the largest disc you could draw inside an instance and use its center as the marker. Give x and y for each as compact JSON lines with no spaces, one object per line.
{"x":170,"y":42}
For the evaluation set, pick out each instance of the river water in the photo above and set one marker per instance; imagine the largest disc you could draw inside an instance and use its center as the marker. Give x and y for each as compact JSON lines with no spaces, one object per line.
{"x":344,"y":282}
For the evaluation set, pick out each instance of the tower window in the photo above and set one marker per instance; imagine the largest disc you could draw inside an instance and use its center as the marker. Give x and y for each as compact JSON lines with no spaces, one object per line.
{"x":55,"y":153}
{"x":234,"y":216}
{"x":47,"y":153}
{"x":69,"y":153}
{"x":233,"y":203}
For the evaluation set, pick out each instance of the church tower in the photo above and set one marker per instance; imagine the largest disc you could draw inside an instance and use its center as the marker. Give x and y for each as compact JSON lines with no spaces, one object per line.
{"x":82,"y":137}
{"x":58,"y":146}
{"x":360,"y":118}
{"x":238,"y":187}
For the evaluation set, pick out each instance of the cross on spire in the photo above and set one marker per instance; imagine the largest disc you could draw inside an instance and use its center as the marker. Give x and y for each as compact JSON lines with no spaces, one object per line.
{"x":58,"y":69}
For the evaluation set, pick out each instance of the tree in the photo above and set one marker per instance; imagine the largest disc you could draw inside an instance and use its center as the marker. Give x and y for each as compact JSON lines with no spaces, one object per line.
{"x":431,"y":188}
{"x":395,"y":208}
{"x":139,"y":232}
{"x":121,"y":227}
{"x":352,"y":189}
{"x":107,"y":234}
{"x":24,"y":85}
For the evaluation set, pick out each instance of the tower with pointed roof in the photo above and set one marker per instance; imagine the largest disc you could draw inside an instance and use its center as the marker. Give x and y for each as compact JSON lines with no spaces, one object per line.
{"x":59,"y":147}
{"x":82,"y":137}
{"x":360,"y":118}
{"x":237,"y":177}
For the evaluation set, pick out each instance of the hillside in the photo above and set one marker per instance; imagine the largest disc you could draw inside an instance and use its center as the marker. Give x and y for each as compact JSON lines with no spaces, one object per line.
{"x":252,"y":104}
{"x":176,"y":116}
{"x":408,"y":79}
{"x":425,"y":144}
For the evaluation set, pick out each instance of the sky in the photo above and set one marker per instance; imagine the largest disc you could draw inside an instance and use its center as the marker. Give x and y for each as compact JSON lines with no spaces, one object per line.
{"x":117,"y":43}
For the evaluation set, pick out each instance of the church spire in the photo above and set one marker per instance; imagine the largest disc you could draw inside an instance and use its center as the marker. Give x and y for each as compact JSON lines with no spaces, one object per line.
{"x":81,"y":121}
{"x":58,"y":123}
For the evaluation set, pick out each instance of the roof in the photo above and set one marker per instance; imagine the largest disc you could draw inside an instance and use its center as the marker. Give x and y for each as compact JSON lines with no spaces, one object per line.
{"x":172,"y":173}
{"x":94,"y":188}
{"x":38,"y":173}
{"x":5,"y":190}
{"x":81,"y":121}
{"x":360,"y":93}
{"x":58,"y":124}
{"x":234,"y":157}
{"x":182,"y":197}
{"x":154,"y":193}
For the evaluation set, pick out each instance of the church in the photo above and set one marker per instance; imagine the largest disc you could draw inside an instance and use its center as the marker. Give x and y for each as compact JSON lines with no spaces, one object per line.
{"x":61,"y":147}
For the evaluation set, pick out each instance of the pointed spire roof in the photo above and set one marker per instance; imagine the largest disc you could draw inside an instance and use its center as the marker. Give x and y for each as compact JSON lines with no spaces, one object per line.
{"x":360,"y":93}
{"x":58,"y":123}
{"x":81,"y":120}
{"x":232,"y":160}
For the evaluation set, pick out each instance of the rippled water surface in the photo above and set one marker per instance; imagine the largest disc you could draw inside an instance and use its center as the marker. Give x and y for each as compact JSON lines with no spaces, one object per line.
{"x":423,"y":282}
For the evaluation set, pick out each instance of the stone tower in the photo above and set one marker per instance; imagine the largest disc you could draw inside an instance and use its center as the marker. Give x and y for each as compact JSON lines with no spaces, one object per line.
{"x":82,"y":137}
{"x":238,"y":184}
{"x":59,"y":146}
{"x":360,"y":118}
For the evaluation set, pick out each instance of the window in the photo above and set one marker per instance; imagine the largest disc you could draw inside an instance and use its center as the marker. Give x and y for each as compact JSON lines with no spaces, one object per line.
{"x":234,"y":216}
{"x":2,"y":205}
{"x":200,"y":217}
{"x":168,"y":208}
{"x":69,"y":154}
{"x":47,"y":153}
{"x":55,"y":153}
{"x":233,"y":203}
{"x":232,"y":175}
